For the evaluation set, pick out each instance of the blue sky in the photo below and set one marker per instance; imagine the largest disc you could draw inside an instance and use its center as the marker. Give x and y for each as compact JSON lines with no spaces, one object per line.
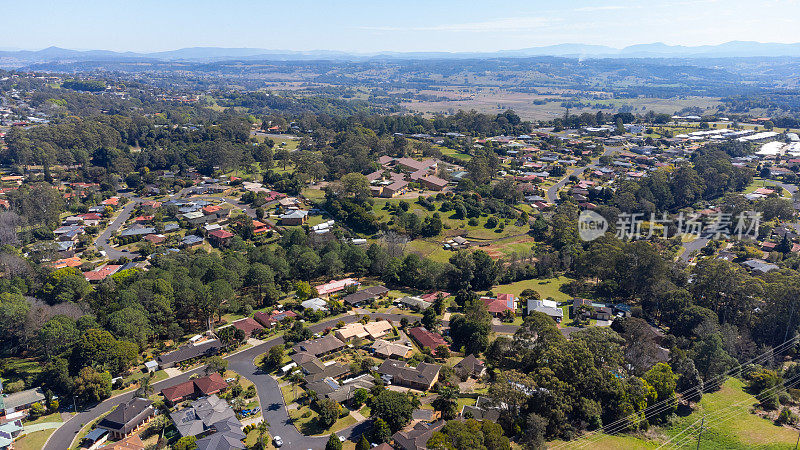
{"x":397,"y":25}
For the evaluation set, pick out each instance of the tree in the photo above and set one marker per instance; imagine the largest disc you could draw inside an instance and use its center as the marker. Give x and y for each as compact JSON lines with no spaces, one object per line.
{"x":185,"y":443}
{"x":429,"y":319}
{"x":333,"y":443}
{"x":275,"y":356}
{"x":394,"y":408}
{"x":381,"y":431}
{"x":303,"y":290}
{"x":58,"y":335}
{"x":36,"y":410}
{"x":92,"y":386}
{"x":95,"y":348}
{"x":363,"y":443}
{"x":145,"y":387}
{"x":442,"y":352}
{"x":216,"y":364}
{"x":445,"y":402}
{"x":360,"y":396}
{"x":664,"y":381}
{"x":328,"y":411}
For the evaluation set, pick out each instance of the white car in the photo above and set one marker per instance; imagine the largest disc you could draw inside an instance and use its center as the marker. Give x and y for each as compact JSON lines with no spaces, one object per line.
{"x":277,"y":441}
{"x":342,"y":439}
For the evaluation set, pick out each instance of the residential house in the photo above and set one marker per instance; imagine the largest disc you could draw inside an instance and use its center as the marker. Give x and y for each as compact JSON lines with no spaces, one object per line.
{"x":132,"y":442}
{"x":331,"y":389}
{"x":759,"y":266}
{"x":317,"y":304}
{"x":412,"y":165}
{"x":414,"y":302}
{"x":318,"y":347}
{"x":548,"y":307}
{"x":128,"y":417}
{"x":199,"y":387}
{"x":598,"y":311}
{"x":248,"y":325}
{"x":191,"y":240}
{"x":418,"y":437}
{"x":378,"y":328}
{"x":15,"y":406}
{"x":155,"y":239}
{"x":427,"y":338}
{"x":363,"y":296}
{"x":470,"y":366}
{"x":270,"y":320}
{"x":399,"y":373}
{"x":501,"y":305}
{"x":97,"y":275}
{"x":351,"y":331}
{"x":388,"y":349}
{"x":189,"y":351}
{"x":222,"y":238}
{"x":260,"y":227}
{"x":9,"y":431}
{"x":294,"y":217}
{"x":334,"y":286}
{"x":204,"y":415}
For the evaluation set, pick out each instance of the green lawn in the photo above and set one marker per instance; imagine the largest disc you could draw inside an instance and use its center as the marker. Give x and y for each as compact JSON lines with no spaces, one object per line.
{"x":33,"y":441}
{"x":55,"y":417}
{"x":313,"y":194}
{"x":760,"y":182}
{"x":741,"y":430}
{"x":14,"y":369}
{"x":547,"y":288}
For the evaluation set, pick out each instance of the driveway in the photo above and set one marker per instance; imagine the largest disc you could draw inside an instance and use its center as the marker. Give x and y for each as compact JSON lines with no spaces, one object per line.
{"x":269,"y":393}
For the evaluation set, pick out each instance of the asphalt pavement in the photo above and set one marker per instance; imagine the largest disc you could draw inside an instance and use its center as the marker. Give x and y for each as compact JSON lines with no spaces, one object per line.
{"x":269,"y":393}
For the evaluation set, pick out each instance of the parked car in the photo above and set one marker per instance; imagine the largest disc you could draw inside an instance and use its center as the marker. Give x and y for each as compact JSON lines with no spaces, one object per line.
{"x":277,"y":441}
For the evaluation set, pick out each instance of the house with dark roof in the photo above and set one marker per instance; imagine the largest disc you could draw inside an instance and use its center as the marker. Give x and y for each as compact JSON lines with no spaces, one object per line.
{"x":189,"y":351}
{"x":363,"y":296}
{"x":418,"y":437}
{"x":128,"y":417}
{"x":427,"y":338}
{"x":422,"y":377}
{"x":205,"y":415}
{"x":19,"y":402}
{"x":470,"y":366}
{"x":318,"y":347}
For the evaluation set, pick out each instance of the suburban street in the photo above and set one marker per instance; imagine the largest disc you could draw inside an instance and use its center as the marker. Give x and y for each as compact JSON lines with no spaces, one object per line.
{"x":269,"y":393}
{"x":103,"y":241}
{"x":552,"y":192}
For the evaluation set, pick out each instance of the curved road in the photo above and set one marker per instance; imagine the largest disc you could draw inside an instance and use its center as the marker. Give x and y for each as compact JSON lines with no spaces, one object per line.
{"x":269,"y":394}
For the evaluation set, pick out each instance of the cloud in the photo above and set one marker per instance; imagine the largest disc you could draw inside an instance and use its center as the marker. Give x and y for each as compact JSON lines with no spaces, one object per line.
{"x":494,"y":25}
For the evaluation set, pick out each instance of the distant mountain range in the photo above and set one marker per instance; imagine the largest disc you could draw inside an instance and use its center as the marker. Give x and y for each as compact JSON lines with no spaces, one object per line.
{"x":734,"y":49}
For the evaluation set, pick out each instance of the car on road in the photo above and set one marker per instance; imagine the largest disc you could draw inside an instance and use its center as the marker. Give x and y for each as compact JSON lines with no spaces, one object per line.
{"x":342,"y":439}
{"x":277,"y":441}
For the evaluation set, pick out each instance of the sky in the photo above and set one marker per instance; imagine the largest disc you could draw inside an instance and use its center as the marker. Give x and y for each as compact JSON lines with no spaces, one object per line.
{"x":362,"y":26}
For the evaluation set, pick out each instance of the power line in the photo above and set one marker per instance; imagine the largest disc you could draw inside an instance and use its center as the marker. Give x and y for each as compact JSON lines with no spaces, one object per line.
{"x":665,"y":404}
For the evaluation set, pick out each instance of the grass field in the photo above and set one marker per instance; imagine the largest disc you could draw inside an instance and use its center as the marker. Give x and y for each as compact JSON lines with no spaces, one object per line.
{"x":547,"y":288}
{"x":25,"y":369}
{"x":33,"y":441}
{"x":729,"y":425}
{"x":760,"y":182}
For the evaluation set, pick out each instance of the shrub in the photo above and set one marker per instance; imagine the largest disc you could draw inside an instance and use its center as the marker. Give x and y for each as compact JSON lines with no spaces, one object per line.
{"x":786,"y":417}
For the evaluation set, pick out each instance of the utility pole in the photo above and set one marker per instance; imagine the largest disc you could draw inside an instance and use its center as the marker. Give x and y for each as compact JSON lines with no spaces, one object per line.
{"x":74,"y":405}
{"x":702,"y":422}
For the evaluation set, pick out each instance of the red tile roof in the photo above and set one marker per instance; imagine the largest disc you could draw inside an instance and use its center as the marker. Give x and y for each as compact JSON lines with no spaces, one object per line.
{"x":221,"y":234}
{"x":427,"y":338}
{"x":178,"y":392}
{"x":248,"y":325}
{"x":210,"y":384}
